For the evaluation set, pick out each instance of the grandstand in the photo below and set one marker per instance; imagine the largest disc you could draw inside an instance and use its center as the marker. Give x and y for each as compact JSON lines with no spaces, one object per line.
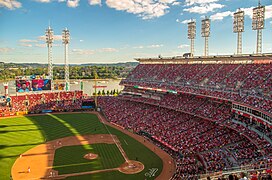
{"x":212,"y":114}
{"x":45,"y":102}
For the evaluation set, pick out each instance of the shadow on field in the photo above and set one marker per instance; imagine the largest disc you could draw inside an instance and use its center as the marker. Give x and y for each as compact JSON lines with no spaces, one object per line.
{"x":6,"y":131}
{"x":55,"y":126}
{"x":11,"y":125}
{"x":16,"y":145}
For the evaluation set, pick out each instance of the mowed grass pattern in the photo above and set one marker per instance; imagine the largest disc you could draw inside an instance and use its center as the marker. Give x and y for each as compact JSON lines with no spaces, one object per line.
{"x":17,"y":135}
{"x":56,"y":126}
{"x":70,"y":159}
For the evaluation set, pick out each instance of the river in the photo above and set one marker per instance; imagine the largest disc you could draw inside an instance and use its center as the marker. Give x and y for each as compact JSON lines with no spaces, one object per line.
{"x":110,"y":84}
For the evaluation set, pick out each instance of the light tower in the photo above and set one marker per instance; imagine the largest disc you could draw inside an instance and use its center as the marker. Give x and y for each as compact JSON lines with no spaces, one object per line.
{"x":6,"y":89}
{"x":49,"y":41}
{"x":205,"y":32}
{"x":238,"y":27}
{"x":258,"y":24}
{"x":66,"y":40}
{"x":192,"y":34}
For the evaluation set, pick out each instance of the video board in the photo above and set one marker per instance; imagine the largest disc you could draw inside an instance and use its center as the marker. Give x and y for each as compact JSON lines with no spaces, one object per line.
{"x":41,"y":84}
{"x":32,"y":83}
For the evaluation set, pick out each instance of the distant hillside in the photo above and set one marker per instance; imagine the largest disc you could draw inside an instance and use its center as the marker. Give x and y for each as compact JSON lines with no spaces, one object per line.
{"x":77,"y":71}
{"x":34,"y":65}
{"x":126,"y":64}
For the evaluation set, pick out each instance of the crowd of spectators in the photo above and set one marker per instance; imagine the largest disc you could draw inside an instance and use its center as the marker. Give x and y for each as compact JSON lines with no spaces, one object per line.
{"x":38,"y":102}
{"x":250,"y":84}
{"x":195,"y":126}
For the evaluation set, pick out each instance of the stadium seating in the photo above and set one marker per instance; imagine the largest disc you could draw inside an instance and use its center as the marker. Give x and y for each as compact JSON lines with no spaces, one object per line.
{"x":233,"y":82}
{"x":194,"y":122}
{"x":177,"y":120}
{"x":37,"y":102}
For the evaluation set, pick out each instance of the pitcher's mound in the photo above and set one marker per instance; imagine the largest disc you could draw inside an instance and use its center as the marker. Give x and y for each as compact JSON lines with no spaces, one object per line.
{"x":131,"y":167}
{"x":90,"y":156}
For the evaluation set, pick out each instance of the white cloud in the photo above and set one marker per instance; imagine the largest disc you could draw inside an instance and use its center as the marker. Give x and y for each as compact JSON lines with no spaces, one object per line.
{"x":56,"y":38}
{"x":155,"y":46}
{"x":40,"y":45}
{"x":43,"y":1}
{"x":27,"y":41}
{"x":268,"y":12}
{"x":138,"y":47}
{"x":147,"y":9}
{"x":83,"y":51}
{"x":192,"y":2}
{"x":108,"y":50}
{"x":95,"y":2}
{"x":176,"y":3}
{"x":5,"y":50}
{"x":91,"y":52}
{"x":220,"y":16}
{"x":57,"y":45}
{"x":167,"y":1}
{"x":26,"y":45}
{"x":249,"y":11}
{"x":81,"y":40}
{"x":270,"y":22}
{"x":72,"y":3}
{"x":45,"y":45}
{"x":182,"y":46}
{"x":187,"y":21}
{"x":10,"y":4}
{"x":150,"y":46}
{"x":204,"y":8}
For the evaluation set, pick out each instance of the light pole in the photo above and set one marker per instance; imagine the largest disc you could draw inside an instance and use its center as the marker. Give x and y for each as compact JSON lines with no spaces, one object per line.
{"x":205,"y":32}
{"x":258,"y":24}
{"x":192,"y":34}
{"x":49,"y":41}
{"x":66,"y":40}
{"x":238,"y":27}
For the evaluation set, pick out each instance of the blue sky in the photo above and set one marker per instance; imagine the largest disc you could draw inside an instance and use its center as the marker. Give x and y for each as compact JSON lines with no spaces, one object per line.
{"x":109,"y":31}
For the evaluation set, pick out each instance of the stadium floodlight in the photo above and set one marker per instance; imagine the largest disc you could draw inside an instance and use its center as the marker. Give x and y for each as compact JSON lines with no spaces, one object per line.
{"x":66,"y":41}
{"x":49,"y":41}
{"x":205,"y":32}
{"x":238,"y":27}
{"x":258,"y":24}
{"x":192,"y":34}
{"x":5,"y":84}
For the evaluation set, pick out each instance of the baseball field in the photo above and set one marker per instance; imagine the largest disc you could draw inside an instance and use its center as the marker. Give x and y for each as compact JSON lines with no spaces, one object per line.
{"x":73,"y":146}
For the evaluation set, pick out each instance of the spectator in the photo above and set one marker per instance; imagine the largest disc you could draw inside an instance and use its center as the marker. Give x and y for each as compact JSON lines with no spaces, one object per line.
{"x":243,"y":176}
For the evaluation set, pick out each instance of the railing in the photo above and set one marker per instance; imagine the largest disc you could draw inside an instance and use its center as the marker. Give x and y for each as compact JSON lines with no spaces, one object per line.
{"x":235,"y":170}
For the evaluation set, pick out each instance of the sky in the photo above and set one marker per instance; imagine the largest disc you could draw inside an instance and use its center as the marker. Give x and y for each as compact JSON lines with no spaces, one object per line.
{"x":110,"y":31}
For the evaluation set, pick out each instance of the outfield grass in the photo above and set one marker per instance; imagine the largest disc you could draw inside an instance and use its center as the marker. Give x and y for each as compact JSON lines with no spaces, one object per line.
{"x":17,"y":135}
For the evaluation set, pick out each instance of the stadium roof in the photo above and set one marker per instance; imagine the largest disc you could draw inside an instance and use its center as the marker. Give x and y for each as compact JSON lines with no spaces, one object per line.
{"x":233,"y":59}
